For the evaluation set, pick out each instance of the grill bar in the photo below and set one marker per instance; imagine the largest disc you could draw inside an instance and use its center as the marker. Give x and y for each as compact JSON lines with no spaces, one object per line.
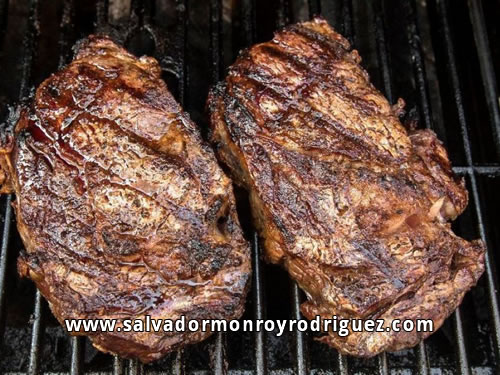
{"x":36,"y":336}
{"x":115,"y":13}
{"x":135,"y":367}
{"x":146,"y":12}
{"x":101,"y":7}
{"x":76,"y":355}
{"x":453,"y":72}
{"x":383,"y":368}
{"x":463,"y":363}
{"x":26,"y":64}
{"x":118,"y":366}
{"x":301,"y":362}
{"x":419,"y":69}
{"x":314,"y":7}
{"x":283,"y":14}
{"x":422,"y":360}
{"x":300,"y":342}
{"x":135,"y":22}
{"x":486,"y":170}
{"x":490,"y":277}
{"x":420,"y":79}
{"x":218,"y":360}
{"x":65,"y":27}
{"x":347,"y":23}
{"x":258,"y":302}
{"x":382,"y":53}
{"x":29,"y":42}
{"x":342,"y":367}
{"x":248,"y":23}
{"x":179,"y":364}
{"x":216,"y":39}
{"x":349,"y":33}
{"x":383,"y":59}
{"x":181,"y":10}
{"x":486,"y":66}
{"x":3,"y":257}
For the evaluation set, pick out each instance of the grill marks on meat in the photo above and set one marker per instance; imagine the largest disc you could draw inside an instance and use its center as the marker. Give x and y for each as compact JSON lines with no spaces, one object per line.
{"x":353,"y":206}
{"x":120,"y":203}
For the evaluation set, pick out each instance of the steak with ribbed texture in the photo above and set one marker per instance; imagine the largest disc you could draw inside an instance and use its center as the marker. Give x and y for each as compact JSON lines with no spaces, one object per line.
{"x":353,"y":205}
{"x":121,"y":206}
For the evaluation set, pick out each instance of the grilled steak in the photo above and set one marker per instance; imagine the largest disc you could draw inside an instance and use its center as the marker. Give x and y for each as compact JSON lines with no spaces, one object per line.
{"x":122,"y":208}
{"x":356,"y":208}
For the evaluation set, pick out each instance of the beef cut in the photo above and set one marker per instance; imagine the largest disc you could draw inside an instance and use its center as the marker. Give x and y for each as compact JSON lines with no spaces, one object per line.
{"x":353,"y":205}
{"x":121,"y":206}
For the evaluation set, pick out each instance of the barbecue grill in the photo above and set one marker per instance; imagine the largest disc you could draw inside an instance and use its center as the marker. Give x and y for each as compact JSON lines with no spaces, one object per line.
{"x":442,"y":56}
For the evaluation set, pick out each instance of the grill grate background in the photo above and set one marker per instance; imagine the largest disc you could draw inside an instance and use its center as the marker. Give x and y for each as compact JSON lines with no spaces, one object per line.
{"x":441,"y":56}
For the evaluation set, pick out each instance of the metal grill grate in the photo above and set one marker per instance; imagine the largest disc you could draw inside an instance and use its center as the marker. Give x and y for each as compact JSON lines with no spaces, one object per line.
{"x":434,"y":53}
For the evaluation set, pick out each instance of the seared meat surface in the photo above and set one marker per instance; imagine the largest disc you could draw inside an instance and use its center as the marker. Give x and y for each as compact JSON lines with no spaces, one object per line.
{"x":356,"y":208}
{"x":122,"y":208}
